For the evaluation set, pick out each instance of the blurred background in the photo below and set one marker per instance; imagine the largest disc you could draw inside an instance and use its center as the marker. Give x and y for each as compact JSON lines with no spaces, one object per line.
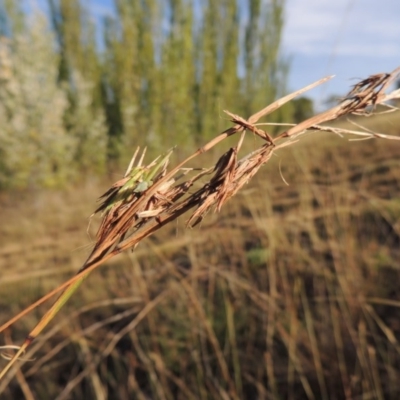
{"x":291,"y":292}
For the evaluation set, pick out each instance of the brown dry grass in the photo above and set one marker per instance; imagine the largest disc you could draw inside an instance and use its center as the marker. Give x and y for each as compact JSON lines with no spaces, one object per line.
{"x":290,"y":293}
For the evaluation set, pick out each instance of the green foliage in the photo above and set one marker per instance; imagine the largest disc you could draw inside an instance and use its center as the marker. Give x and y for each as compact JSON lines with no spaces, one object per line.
{"x":303,"y":109}
{"x":86,"y":125}
{"x":35,"y":147}
{"x":49,"y":130}
{"x":164,"y":73}
{"x":12,"y":18}
{"x":170,"y":71}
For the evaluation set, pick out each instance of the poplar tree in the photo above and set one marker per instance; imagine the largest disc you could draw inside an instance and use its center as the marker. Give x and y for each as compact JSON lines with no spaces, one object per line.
{"x":177,"y":72}
{"x":35,"y":149}
{"x":80,"y":72}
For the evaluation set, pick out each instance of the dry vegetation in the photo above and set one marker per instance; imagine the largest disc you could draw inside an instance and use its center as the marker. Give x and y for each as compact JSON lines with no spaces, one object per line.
{"x":290,"y":292}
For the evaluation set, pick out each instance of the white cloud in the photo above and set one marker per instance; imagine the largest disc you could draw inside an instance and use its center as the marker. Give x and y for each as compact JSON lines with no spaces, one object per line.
{"x":349,"y":38}
{"x":354,"y":27}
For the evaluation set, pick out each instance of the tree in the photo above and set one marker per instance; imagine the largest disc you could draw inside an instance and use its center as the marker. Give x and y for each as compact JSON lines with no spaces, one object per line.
{"x":35,"y":148}
{"x":50,"y":129}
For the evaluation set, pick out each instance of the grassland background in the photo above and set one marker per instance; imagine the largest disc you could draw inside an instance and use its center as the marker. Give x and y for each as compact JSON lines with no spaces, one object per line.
{"x":291,"y":292}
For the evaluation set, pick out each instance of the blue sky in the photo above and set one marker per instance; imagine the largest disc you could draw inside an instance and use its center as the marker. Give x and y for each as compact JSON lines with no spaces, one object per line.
{"x":349,"y":38}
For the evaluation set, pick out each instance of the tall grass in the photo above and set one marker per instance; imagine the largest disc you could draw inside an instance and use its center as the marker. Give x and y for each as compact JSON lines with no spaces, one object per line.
{"x":291,"y":292}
